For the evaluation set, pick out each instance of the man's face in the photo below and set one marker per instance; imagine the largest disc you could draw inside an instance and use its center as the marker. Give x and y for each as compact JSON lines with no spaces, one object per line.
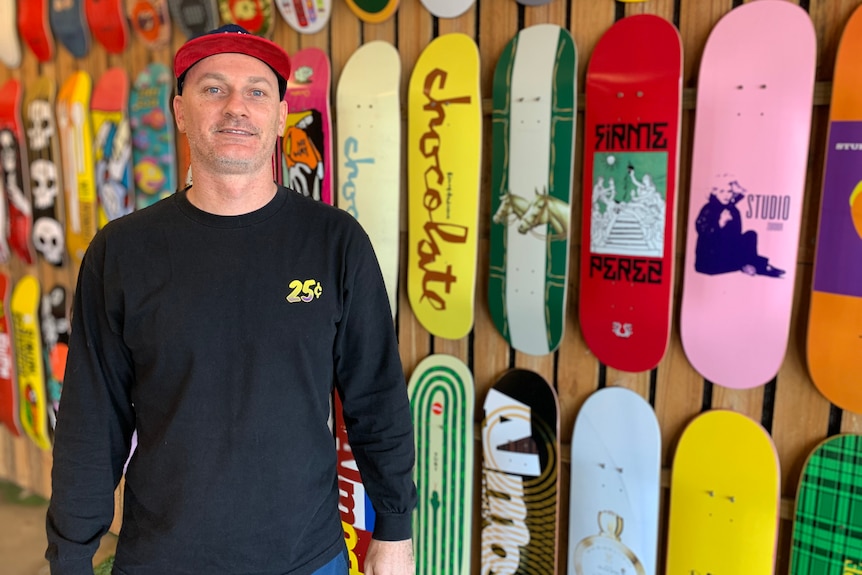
{"x":231,"y":112}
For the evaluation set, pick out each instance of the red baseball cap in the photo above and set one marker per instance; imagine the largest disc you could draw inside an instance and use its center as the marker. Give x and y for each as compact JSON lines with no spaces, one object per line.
{"x":234,"y":39}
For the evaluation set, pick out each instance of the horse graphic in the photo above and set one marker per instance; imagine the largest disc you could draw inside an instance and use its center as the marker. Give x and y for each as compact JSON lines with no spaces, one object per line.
{"x":546,"y":209}
{"x":512,"y":207}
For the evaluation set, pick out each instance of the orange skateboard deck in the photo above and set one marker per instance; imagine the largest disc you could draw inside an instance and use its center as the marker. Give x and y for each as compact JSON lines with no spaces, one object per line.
{"x":835,"y":316}
{"x":151,"y":21}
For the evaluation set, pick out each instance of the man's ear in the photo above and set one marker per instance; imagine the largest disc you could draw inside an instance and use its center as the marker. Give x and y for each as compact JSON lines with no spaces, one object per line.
{"x":178,"y":113}
{"x":282,"y":117}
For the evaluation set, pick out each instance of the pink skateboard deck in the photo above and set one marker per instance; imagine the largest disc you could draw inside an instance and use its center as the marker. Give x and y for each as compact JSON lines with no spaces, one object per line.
{"x":749,"y":162}
{"x":631,"y":159}
{"x":307,"y":140}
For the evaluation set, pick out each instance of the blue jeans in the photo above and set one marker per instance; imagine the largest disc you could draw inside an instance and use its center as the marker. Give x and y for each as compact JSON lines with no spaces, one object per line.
{"x":337,"y":566}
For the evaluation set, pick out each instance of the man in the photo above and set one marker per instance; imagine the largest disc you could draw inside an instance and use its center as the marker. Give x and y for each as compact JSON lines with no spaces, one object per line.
{"x":216,"y":323}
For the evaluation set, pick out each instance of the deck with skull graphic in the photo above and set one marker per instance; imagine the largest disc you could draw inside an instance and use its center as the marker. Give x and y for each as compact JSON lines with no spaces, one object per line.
{"x":631,"y":160}
{"x":533,"y":131}
{"x":14,"y":178}
{"x":76,"y":143}
{"x":46,"y":170}
{"x":55,"y":324}
{"x":112,"y":149}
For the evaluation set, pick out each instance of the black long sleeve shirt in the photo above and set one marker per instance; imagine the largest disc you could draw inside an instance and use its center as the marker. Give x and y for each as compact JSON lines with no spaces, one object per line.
{"x":220,"y":339}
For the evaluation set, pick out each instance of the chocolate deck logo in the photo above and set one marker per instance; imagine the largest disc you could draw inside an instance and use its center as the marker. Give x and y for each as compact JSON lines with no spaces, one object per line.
{"x":437,"y":233}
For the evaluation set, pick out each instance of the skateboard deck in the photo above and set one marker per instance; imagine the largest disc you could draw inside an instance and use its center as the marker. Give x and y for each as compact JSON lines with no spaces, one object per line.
{"x":533,"y":131}
{"x":8,"y":383}
{"x":55,"y":325}
{"x":447,"y":8}
{"x":150,"y":21}
{"x":827,"y":525}
{"x":107,"y":20}
{"x":29,"y":362}
{"x":307,"y":141}
{"x":373,"y":11}
{"x":749,"y":159}
{"x":34,"y":28}
{"x":368,"y":108}
{"x":835,"y":316}
{"x":254,"y":15}
{"x":520,"y":475}
{"x":195,"y":17}
{"x":46,"y":170}
{"x":79,"y":181}
{"x":306,"y":16}
{"x":112,"y":148}
{"x":70,"y":27}
{"x":444,"y":156}
{"x":153,"y":140}
{"x":724,"y":497}
{"x":10,"y":43}
{"x":631,"y":160}
{"x":442,"y":402}
{"x":615,"y":486}
{"x":357,"y":512}
{"x":14,"y":176}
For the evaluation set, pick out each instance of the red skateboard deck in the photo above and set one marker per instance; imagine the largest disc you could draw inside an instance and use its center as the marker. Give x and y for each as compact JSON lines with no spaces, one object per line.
{"x":8,"y":384}
{"x":835,"y":317}
{"x":307,"y":142}
{"x":150,"y":20}
{"x":14,"y":177}
{"x":46,"y":170}
{"x":34,"y":28}
{"x":748,"y":171}
{"x":107,"y":20}
{"x":631,"y":159}
{"x":254,"y":15}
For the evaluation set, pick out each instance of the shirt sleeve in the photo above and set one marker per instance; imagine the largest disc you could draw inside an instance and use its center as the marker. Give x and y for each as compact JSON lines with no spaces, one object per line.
{"x":95,"y":422}
{"x":370,"y":379}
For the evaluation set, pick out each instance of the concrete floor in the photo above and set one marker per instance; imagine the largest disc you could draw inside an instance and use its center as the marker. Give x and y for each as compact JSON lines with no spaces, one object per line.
{"x":22,"y":534}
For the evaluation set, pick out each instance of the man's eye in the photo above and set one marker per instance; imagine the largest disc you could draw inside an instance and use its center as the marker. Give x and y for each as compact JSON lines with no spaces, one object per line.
{"x":257,"y":93}
{"x":212,"y":90}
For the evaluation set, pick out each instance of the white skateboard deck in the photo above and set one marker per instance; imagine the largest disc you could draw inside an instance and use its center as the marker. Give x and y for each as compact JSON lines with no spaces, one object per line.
{"x":368,"y":108}
{"x":10,"y":44}
{"x":447,"y":8}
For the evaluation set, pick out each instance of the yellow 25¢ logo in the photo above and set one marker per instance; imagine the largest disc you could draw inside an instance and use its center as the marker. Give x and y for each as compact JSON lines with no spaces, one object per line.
{"x":304,"y":291}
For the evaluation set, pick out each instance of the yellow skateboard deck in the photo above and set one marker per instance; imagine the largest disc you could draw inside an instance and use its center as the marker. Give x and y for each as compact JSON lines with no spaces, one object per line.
{"x":79,"y":181}
{"x":33,"y":401}
{"x":444,"y":153}
{"x":724,"y":498}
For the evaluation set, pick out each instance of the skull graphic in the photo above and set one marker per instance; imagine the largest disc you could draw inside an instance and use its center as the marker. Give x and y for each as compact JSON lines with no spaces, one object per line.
{"x":43,"y":179}
{"x":48,"y":239}
{"x":41,"y":127}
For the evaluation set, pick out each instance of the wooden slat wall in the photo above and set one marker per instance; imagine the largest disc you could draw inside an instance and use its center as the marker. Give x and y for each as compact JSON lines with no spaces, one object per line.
{"x":789,"y":407}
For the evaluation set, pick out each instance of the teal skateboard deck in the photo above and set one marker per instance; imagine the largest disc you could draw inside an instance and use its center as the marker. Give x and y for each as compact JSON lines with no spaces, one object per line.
{"x":153,"y":143}
{"x":533,"y":129}
{"x":441,"y":401}
{"x":827,"y":524}
{"x":520,"y":475}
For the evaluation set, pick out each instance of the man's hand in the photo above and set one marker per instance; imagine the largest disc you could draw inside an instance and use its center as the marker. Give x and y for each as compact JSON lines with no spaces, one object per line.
{"x":390,"y":558}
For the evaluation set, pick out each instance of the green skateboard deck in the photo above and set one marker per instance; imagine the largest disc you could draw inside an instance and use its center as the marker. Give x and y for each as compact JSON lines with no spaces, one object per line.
{"x":533,"y":129}
{"x":827,"y":525}
{"x":441,"y":401}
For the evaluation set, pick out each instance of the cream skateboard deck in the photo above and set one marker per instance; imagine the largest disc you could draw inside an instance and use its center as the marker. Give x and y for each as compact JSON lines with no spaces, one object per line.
{"x":35,"y":29}
{"x":631,"y":160}
{"x":724,"y":497}
{"x":112,"y":147}
{"x":10,"y":43}
{"x":368,"y":108}
{"x":827,"y":522}
{"x":79,"y":181}
{"x":14,"y":176}
{"x":834,"y":343}
{"x":749,"y":160}
{"x":373,"y":11}
{"x":46,"y":170}
{"x":8,"y":382}
{"x":441,"y":400}
{"x":533,"y":131}
{"x":520,"y":475}
{"x":153,"y":135}
{"x":444,"y":153}
{"x":307,"y":141}
{"x":150,"y":21}
{"x":447,"y":8}
{"x":29,"y":361}
{"x":305,"y":16}
{"x":615,"y":485}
